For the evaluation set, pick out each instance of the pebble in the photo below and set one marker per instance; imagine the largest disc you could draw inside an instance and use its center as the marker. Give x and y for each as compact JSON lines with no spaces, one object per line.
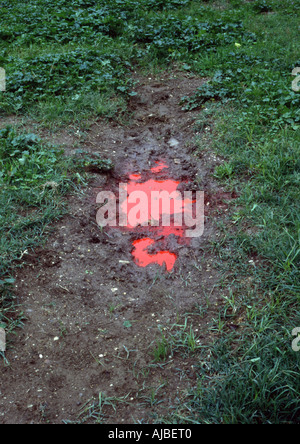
{"x":173,"y":142}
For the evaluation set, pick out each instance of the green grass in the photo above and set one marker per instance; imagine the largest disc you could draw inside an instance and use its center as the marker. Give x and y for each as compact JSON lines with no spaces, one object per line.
{"x":178,"y":338}
{"x":74,"y":63}
{"x":33,"y":179}
{"x":253,"y":375}
{"x":95,"y":410}
{"x":71,"y":61}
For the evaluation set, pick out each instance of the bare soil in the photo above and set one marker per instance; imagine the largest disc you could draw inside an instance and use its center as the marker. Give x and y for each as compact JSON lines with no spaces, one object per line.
{"x":80,"y":289}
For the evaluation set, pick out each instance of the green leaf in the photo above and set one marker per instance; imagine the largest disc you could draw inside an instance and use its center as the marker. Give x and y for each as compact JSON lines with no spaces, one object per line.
{"x":127,"y":324}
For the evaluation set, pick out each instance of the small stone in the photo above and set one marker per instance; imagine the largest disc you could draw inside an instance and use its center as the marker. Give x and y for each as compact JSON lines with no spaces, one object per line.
{"x":173,"y":142}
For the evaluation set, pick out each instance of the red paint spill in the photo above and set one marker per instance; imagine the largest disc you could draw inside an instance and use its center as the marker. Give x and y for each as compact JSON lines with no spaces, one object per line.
{"x":148,"y":187}
{"x":160,"y":166}
{"x":135,"y":177}
{"x":143,"y":258}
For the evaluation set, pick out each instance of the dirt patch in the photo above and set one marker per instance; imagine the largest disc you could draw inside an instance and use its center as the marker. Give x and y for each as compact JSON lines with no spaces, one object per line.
{"x":93,"y":315}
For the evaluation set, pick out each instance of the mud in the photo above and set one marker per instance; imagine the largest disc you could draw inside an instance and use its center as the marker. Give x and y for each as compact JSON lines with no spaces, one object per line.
{"x":92,"y":314}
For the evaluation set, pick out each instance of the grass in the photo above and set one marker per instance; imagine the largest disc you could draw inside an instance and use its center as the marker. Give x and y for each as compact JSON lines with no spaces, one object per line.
{"x":76,"y":63}
{"x":178,"y":338}
{"x":95,"y":410}
{"x":73,"y":61}
{"x":253,"y":371}
{"x":33,"y":179}
{"x":253,"y":374}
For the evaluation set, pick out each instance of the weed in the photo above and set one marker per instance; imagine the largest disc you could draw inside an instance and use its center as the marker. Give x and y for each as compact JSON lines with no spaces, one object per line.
{"x":95,"y":410}
{"x":152,"y":397}
{"x":92,"y":162}
{"x":161,"y":351}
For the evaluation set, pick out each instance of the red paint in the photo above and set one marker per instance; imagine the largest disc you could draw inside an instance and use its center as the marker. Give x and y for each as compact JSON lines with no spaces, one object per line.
{"x":148,"y":187}
{"x":135,"y":177}
{"x":160,"y":166}
{"x":143,"y":258}
{"x":141,"y":255}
